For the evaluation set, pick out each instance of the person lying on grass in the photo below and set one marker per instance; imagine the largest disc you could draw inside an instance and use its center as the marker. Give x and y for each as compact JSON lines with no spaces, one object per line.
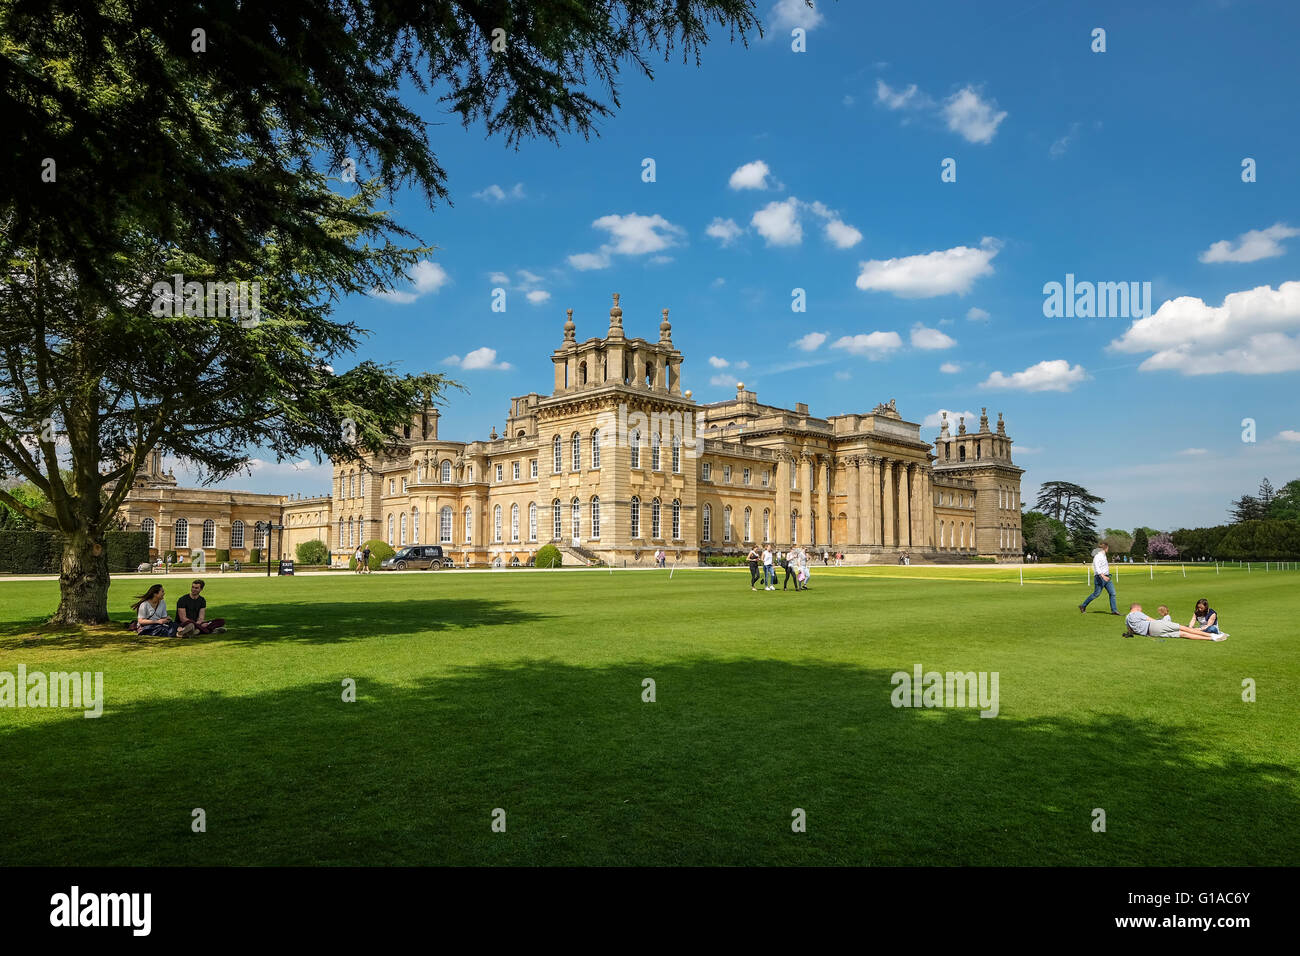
{"x":1139,"y":625}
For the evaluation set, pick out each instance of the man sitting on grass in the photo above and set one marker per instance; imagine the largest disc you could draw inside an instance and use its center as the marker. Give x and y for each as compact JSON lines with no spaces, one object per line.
{"x":1140,"y":625}
{"x":192,"y":611}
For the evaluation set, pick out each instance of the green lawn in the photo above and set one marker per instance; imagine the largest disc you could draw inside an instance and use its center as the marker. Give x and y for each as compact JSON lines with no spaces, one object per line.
{"x":522,"y":690}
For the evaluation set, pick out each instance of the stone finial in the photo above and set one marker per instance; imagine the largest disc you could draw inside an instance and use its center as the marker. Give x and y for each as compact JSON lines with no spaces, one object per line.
{"x":493,"y":434}
{"x":569,"y":327}
{"x":943,"y":425}
{"x":984,"y":420}
{"x":688,"y":393}
{"x":616,"y":318}
{"x":961,"y":425}
{"x":1002,"y":427}
{"x":665,"y":330}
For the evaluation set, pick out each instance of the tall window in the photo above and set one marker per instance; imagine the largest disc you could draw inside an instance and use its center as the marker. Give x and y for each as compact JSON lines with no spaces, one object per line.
{"x":677,"y":454}
{"x":794,"y":476}
{"x":361,"y":485}
{"x":746,"y":476}
{"x":445,"y":470}
{"x":654,"y":452}
{"x":532,"y":521}
{"x":402,"y":537}
{"x":209,"y":533}
{"x":496,"y":523}
{"x":764,"y":477}
{"x":677,"y":518}
{"x":403,"y":486}
{"x":352,"y":540}
{"x":236,"y":534}
{"x":634,"y":456}
{"x":149,"y":528}
{"x":469,"y":524}
{"x":501,"y":473}
{"x":415,"y":525}
{"x":654,"y":519}
{"x":726,"y":523}
{"x":794,"y":527}
{"x":595,"y":517}
{"x":557,"y":448}
{"x":514,"y":522}
{"x":707,"y":522}
{"x":532,"y":465}
{"x":514,"y":471}
{"x":392,"y":486}
{"x":634,"y":515}
{"x":181,"y":534}
{"x":390,"y":529}
{"x":444,"y":525}
{"x":576,"y":442}
{"x":575,"y":508}
{"x":706,"y":471}
{"x":557,"y":520}
{"x":748,"y":527}
{"x":767,"y":524}
{"x":595,"y":448}
{"x":341,"y":541}
{"x":469,"y":473}
{"x":351,"y":479}
{"x":726,"y":474}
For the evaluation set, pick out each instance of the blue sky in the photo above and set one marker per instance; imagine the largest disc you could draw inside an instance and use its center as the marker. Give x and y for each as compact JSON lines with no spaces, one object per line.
{"x":778,"y":170}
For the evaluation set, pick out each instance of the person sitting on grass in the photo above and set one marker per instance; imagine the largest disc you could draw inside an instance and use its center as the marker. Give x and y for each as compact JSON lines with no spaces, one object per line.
{"x":151,"y":614}
{"x":1139,"y":625}
{"x":192,"y":611}
{"x":1205,"y":618}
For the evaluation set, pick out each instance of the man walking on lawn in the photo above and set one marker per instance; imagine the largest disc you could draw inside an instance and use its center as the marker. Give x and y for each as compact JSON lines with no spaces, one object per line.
{"x":1101,"y":580}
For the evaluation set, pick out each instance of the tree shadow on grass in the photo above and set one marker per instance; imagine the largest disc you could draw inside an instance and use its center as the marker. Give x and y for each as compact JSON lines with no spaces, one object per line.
{"x":309,"y":622}
{"x":588,"y":773}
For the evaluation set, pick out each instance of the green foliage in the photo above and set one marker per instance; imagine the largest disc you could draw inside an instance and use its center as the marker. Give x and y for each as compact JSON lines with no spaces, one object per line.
{"x":1286,"y":503}
{"x":41,"y":552}
{"x":313,"y":552}
{"x":1044,"y":536}
{"x":1119,"y":541}
{"x":1198,"y":543}
{"x":12,"y":518}
{"x":1140,"y":544}
{"x":221,"y":555}
{"x":724,"y":561}
{"x":255,"y":556}
{"x":1262,"y":541}
{"x":379,"y":550}
{"x":548,"y":556}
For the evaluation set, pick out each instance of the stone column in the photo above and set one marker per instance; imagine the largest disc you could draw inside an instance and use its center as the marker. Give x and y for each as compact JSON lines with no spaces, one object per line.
{"x":784,"y":467}
{"x":904,"y":512}
{"x":917,"y":506}
{"x":929,"y":509}
{"x":889,"y":539}
{"x":805,"y":507}
{"x":824,"y":500}
{"x":871,"y":499}
{"x":851,"y":476}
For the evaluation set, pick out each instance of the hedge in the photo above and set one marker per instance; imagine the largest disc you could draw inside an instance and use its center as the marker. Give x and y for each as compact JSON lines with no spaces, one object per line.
{"x":41,"y":552}
{"x":379,"y":550}
{"x":312,"y":552}
{"x":548,"y":556}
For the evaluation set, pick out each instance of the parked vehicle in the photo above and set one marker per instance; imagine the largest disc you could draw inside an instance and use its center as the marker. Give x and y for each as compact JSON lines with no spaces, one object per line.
{"x":417,"y":557}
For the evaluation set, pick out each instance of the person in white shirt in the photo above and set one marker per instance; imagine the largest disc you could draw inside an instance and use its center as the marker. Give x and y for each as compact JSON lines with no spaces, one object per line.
{"x":1101,"y":580}
{"x":769,"y":575}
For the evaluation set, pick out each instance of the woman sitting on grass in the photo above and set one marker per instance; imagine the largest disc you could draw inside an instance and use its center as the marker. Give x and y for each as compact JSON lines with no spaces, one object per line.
{"x":151,"y":614}
{"x":1205,"y":618}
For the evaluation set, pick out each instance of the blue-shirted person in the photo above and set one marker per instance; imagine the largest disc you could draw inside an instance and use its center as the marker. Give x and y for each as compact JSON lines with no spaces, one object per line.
{"x":1101,"y":580}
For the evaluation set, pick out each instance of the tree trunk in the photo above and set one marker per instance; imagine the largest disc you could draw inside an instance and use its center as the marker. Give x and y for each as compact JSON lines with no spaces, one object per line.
{"x":83,"y":582}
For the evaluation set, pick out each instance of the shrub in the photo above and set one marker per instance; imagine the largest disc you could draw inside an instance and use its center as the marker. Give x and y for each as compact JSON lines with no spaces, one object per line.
{"x":313,"y":552}
{"x":221,"y":555}
{"x":379,"y":550}
{"x":548,"y":556}
{"x":255,"y":556}
{"x":725,"y":561}
{"x":126,"y":550}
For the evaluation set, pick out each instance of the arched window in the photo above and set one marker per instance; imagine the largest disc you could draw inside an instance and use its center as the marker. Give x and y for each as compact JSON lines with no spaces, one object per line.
{"x":767,"y":524}
{"x":237,"y":534}
{"x":677,"y":454}
{"x":634,"y":515}
{"x":557,"y":447}
{"x":575,"y":508}
{"x":532,"y":521}
{"x":469,"y":524}
{"x":209,"y":533}
{"x":496,"y":523}
{"x":677,"y":518}
{"x":446,"y":470}
{"x":576,"y":442}
{"x":595,"y":517}
{"x":351,"y":484}
{"x":961,"y":453}
{"x":444,"y":525}
{"x":634,"y":455}
{"x":650,"y":373}
{"x":654,"y":451}
{"x":749,"y":515}
{"x":595,"y":448}
{"x":794,"y":527}
{"x":963,"y":536}
{"x":415,"y":525}
{"x":726,"y":523}
{"x":257,"y":535}
{"x":514,"y":522}
{"x":341,"y":541}
{"x":391,"y":525}
{"x":941,"y":535}
{"x":655,"y":531}
{"x":181,"y":534}
{"x":402,"y":526}
{"x":707,"y":522}
{"x":582,"y":373}
{"x":361,"y":485}
{"x":557,"y":521}
{"x":150,"y":529}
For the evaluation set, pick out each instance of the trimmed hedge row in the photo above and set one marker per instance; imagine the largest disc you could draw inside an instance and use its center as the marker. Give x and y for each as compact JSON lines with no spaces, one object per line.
{"x":41,"y":552}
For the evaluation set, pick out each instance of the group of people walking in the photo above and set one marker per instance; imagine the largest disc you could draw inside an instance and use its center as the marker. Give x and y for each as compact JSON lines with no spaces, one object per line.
{"x":764,"y":562}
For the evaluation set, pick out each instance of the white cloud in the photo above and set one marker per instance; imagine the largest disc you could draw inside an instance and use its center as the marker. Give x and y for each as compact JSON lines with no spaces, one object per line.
{"x":724,"y":381}
{"x":949,"y":368}
{"x":930,"y":339}
{"x":1251,"y":246}
{"x":495,"y":193}
{"x":848,"y":99}
{"x":976,"y":120}
{"x":498,"y":278}
{"x":942,"y":272}
{"x":718,"y":283}
{"x":874,"y":345}
{"x":585,"y":261}
{"x":1061,"y":146}
{"x":1048,"y":376}
{"x":788,"y":14}
{"x":843,"y":376}
{"x":1193,"y":451}
{"x":660,"y":260}
{"x":630,"y":235}
{"x":841,"y":234}
{"x":724,"y":230}
{"x":778,"y":223}
{"x":935,"y":420}
{"x":1026,"y":450}
{"x":810,"y":342}
{"x":751,"y":176}
{"x":425,"y":277}
{"x":481,"y":358}
{"x":538,"y":296}
{"x":718,"y":362}
{"x":1289,"y":435}
{"x":528,"y":279}
{"x":977,"y":315}
{"x":1248,"y":333}
{"x":909,"y":98}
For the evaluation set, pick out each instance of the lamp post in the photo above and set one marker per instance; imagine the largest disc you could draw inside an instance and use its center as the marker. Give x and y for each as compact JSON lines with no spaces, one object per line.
{"x":267,"y":527}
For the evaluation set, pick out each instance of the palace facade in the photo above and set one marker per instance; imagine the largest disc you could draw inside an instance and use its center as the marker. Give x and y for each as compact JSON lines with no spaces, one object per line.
{"x":618,"y":461}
